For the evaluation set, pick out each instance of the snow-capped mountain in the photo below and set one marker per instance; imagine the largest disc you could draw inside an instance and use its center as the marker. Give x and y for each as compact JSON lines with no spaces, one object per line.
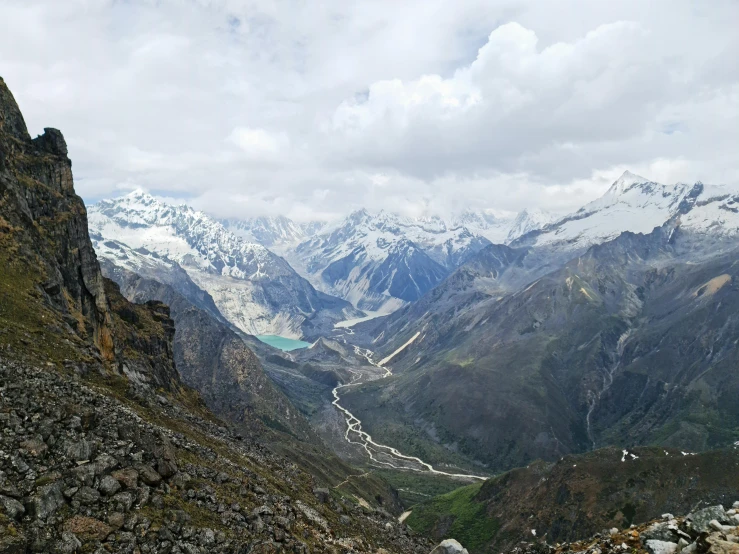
{"x":530,"y":219}
{"x":253,"y":288}
{"x":501,"y":227}
{"x":276,"y":232}
{"x":380,"y":261}
{"x":715,"y":212}
{"x":151,"y":265}
{"x":494,"y":226}
{"x":632,"y":203}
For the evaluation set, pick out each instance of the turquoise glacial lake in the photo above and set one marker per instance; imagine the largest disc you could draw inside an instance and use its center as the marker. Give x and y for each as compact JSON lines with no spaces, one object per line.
{"x":283,"y":343}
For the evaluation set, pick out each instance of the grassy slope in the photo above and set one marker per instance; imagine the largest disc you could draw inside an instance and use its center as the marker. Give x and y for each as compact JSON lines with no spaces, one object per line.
{"x":456,"y":514}
{"x":578,"y":496}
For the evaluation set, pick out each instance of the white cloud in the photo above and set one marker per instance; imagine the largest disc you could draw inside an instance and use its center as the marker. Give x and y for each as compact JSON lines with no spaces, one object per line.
{"x":303,"y":108}
{"x":260,"y":145}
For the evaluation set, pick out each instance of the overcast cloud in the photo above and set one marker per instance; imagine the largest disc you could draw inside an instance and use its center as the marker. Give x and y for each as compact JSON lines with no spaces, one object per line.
{"x":313,"y":109}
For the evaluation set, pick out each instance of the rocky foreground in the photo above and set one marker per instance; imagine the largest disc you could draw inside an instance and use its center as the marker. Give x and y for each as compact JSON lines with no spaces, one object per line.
{"x":712,"y":530}
{"x":88,"y":468}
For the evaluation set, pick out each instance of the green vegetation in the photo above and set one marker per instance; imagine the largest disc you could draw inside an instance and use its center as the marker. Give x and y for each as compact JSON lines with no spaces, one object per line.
{"x":28,"y":327}
{"x":462,"y":517}
{"x":414,"y":488}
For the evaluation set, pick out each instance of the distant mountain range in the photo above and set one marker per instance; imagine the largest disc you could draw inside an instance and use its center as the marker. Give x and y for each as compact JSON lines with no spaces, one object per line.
{"x":615,"y":325}
{"x":375,"y":262}
{"x":274,"y":232}
{"x":256,"y":290}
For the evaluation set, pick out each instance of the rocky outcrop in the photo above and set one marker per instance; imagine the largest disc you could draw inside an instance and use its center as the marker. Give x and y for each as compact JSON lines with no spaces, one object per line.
{"x":711,"y":530}
{"x":45,"y":222}
{"x":144,"y":335}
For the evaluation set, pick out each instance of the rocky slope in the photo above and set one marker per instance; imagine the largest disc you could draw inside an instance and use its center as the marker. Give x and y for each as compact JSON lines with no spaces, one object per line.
{"x":579,"y":496}
{"x":221,"y":365}
{"x":253,"y":288}
{"x":212,"y":359}
{"x":107,"y":467}
{"x":103,"y":446}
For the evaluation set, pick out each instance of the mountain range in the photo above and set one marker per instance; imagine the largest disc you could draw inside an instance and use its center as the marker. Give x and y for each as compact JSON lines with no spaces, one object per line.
{"x":141,"y":412}
{"x":579,"y":335}
{"x":377,"y":262}
{"x":508,"y":352}
{"x":255,"y":289}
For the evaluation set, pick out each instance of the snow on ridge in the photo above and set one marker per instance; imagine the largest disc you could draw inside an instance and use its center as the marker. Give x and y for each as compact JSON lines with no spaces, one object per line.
{"x":632,"y":203}
{"x":530,"y":219}
{"x":627,"y":180}
{"x":182,"y":233}
{"x":716,"y":212}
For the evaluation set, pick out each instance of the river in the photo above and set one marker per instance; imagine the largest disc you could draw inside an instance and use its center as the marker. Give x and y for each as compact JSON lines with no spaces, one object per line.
{"x":382,"y":454}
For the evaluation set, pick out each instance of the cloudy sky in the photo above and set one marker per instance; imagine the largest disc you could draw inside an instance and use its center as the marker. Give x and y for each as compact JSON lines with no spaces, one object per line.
{"x":311,"y":109}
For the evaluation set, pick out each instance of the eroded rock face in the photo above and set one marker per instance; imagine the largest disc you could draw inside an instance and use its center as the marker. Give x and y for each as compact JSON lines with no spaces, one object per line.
{"x":48,"y":222}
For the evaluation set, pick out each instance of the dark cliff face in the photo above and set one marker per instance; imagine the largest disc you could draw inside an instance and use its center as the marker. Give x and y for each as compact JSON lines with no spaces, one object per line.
{"x":144,"y":336}
{"x":55,"y":299}
{"x":44,"y":224}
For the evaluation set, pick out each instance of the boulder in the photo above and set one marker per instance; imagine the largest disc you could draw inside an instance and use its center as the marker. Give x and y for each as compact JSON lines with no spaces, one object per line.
{"x":701,"y":520}
{"x":661,"y":547}
{"x":80,"y":451}
{"x":68,"y":544}
{"x":109,"y":485}
{"x":12,"y":507}
{"x":149,"y":475}
{"x":166,"y":468}
{"x":122,"y":501}
{"x":87,"y":496}
{"x":449,"y":546}
{"x":660,"y":532}
{"x":47,"y":500}
{"x":717,"y":545}
{"x":127,"y":477}
{"x":87,"y":528}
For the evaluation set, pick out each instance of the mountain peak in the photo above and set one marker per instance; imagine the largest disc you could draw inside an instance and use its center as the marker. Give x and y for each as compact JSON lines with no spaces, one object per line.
{"x":624,"y":182}
{"x":529,"y":219}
